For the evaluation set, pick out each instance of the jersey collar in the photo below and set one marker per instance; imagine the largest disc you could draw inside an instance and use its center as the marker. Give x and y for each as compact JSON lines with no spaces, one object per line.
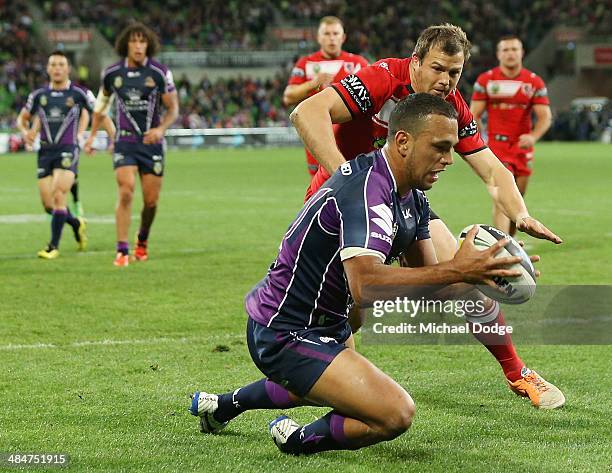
{"x":145,"y":63}
{"x":384,"y":156}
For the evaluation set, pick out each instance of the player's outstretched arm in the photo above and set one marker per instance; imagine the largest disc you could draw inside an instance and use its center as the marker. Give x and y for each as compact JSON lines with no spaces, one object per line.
{"x":502,"y":188}
{"x":313,"y":119}
{"x":469,"y":265}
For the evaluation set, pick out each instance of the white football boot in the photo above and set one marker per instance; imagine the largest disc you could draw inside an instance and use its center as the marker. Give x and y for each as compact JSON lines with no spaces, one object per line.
{"x":204,"y":406}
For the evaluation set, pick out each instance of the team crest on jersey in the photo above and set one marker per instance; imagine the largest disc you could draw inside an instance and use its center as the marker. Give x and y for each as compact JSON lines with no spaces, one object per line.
{"x":379,"y":142}
{"x":149,"y":82}
{"x":316,"y":68}
{"x":118,"y":82}
{"x":158,"y":167}
{"x":134,"y":94}
{"x":43,"y":100}
{"x":349,"y":67}
{"x":69,"y":102}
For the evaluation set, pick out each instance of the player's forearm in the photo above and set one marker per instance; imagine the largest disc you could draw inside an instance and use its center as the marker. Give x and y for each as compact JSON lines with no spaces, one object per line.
{"x":541,"y":127}
{"x":384,"y":282}
{"x":294,"y":94}
{"x":23,"y":124}
{"x":83,"y":122}
{"x":506,"y":195}
{"x":95,"y":123}
{"x":169,"y":117}
{"x":315,"y":127}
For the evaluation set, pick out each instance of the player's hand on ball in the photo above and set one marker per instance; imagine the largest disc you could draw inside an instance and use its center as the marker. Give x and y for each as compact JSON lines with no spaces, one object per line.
{"x":479,"y":267}
{"x":153,"y":136}
{"x":536,"y":229}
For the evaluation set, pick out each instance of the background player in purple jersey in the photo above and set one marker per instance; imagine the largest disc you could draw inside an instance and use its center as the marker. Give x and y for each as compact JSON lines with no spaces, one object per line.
{"x":140,"y":85}
{"x":369,"y":212}
{"x":60,"y":111}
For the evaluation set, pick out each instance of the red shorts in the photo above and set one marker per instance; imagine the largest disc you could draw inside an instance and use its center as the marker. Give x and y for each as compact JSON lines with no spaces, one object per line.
{"x":311,"y":163}
{"x":317,"y":181}
{"x":518,"y":161}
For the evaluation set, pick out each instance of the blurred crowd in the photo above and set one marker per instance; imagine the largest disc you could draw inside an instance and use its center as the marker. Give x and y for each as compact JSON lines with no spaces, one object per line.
{"x":232,"y":103}
{"x":376,"y":29}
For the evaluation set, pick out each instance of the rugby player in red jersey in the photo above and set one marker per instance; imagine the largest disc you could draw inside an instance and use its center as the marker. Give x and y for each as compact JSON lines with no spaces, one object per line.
{"x":362,"y":103}
{"x":510,"y":94}
{"x":318,"y":70}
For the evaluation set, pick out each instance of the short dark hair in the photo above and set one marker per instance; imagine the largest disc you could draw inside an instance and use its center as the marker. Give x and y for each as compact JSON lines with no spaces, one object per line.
{"x":136,"y":28}
{"x":507,"y":37}
{"x":59,"y":52}
{"x":410,"y":112}
{"x":449,"y":38}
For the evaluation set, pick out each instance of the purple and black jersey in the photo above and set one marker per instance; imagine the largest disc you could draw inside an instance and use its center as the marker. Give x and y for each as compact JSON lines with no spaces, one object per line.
{"x":357,"y":212}
{"x":138,"y":92}
{"x":59,"y":112}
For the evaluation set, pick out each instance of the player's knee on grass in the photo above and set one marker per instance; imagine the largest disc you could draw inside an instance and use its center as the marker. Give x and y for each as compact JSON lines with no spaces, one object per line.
{"x":398,"y":418}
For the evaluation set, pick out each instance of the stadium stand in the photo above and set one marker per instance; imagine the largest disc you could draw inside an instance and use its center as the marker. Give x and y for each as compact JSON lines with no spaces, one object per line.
{"x":376,"y":29}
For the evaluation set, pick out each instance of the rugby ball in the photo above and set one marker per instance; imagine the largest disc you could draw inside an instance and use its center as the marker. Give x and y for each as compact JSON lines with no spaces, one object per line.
{"x":516,"y":290}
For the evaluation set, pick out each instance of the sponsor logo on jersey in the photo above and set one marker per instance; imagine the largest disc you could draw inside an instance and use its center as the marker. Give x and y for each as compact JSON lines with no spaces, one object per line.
{"x":378,"y":236}
{"x":384,"y":65}
{"x":118,"y":157}
{"x":133,"y":74}
{"x":56,"y":93}
{"x":469,"y":130}
{"x":118,"y":82}
{"x":346,"y":169}
{"x":69,"y":102}
{"x":406,"y":214}
{"x":149,"y":82}
{"x":134,"y":95}
{"x":43,"y":100}
{"x":358,"y":92}
{"x":385,"y":218}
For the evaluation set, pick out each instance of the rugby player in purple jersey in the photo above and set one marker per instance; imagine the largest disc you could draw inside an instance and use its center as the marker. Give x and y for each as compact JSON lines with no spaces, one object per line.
{"x":140,"y":86}
{"x":60,"y":112}
{"x":370,"y":212}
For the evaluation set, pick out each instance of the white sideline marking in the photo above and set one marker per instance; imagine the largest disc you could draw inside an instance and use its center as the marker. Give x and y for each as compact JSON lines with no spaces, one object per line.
{"x":106,"y":342}
{"x":37,"y":218}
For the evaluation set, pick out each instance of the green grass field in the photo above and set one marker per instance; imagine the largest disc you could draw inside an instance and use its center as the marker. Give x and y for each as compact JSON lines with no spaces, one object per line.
{"x":98,"y":362}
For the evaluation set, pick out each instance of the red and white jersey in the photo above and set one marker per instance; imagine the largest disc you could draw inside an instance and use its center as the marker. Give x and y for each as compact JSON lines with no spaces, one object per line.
{"x":309,"y":66}
{"x":509,"y":101}
{"x":371,"y":95}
